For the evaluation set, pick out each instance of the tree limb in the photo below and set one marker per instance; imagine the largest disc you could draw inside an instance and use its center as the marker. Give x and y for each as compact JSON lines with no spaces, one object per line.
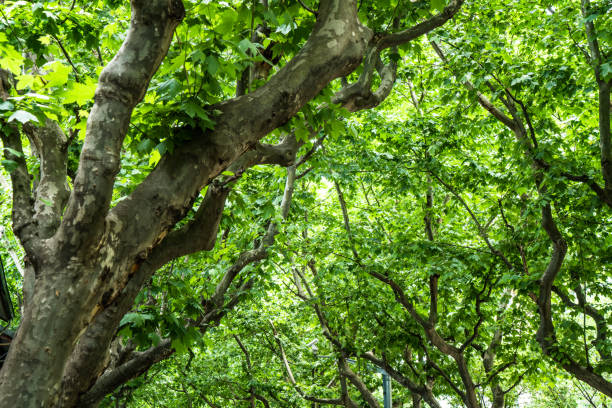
{"x":51,"y":147}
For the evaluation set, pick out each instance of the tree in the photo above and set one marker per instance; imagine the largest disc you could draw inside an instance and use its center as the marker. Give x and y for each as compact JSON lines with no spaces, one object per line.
{"x":88,"y":255}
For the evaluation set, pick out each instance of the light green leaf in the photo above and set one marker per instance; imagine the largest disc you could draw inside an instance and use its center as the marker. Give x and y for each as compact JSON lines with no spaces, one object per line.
{"x":6,"y":106}
{"x":79,"y":93}
{"x":23,"y":117}
{"x":57,"y":74}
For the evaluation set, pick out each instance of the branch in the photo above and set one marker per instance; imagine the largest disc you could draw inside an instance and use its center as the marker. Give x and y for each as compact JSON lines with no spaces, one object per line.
{"x":199,"y":234}
{"x":598,"y":318}
{"x":423,"y":391}
{"x":481,"y":231}
{"x":316,"y":145}
{"x":290,"y":376}
{"x":282,"y":154}
{"x":516,"y":126}
{"x":245,"y":351}
{"x":546,"y":332}
{"x":307,"y":8}
{"x":482,"y":100}
{"x":139,"y":364}
{"x":347,"y":225}
{"x":240,"y":123}
{"x":122,"y":84}
{"x":605,"y":140}
{"x":591,"y":34}
{"x":402,"y":37}
{"x":24,"y":226}
{"x":359,"y":95}
{"x":51,"y":147}
{"x":358,"y":383}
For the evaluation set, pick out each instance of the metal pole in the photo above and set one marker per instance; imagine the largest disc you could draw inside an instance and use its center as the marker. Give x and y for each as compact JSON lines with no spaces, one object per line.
{"x":386,"y":389}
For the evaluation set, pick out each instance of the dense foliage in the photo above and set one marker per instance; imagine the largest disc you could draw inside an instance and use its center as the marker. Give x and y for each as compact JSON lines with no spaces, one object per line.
{"x":456,"y":234}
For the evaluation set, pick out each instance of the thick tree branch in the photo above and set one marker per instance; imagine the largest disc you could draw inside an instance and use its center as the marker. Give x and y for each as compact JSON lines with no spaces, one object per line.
{"x":282,"y":154}
{"x":546,"y":332}
{"x":51,"y":147}
{"x":88,"y":357}
{"x":240,"y":124}
{"x":199,"y":234}
{"x":215,"y":307}
{"x":121,"y":86}
{"x":137,"y":365}
{"x":24,"y":226}
{"x":358,"y":383}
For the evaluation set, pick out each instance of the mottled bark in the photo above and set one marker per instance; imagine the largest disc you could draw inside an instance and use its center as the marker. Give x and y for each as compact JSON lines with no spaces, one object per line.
{"x":50,"y":145}
{"x":89,"y":262}
{"x":75,"y":263}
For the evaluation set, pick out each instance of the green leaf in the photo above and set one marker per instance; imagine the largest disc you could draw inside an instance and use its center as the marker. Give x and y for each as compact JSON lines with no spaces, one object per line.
{"x":14,"y":152}
{"x":145,"y":146}
{"x":167,"y":90}
{"x":438,"y":4}
{"x":245,"y":45}
{"x":6,"y":106}
{"x":79,"y":93}
{"x":10,"y":165}
{"x":606,"y":71}
{"x":23,"y":117}
{"x":212,"y":65}
{"x":57,"y":74}
{"x":194,"y":110}
{"x":179,"y":346}
{"x":136,"y":319}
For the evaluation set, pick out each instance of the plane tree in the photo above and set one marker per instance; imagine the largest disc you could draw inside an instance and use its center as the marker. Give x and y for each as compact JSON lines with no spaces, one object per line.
{"x":193,"y":86}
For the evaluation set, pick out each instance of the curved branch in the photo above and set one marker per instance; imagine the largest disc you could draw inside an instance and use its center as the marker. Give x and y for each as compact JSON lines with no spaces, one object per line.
{"x":402,"y":37}
{"x":546,"y":332}
{"x":359,"y":95}
{"x":358,"y":383}
{"x":138,"y":364}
